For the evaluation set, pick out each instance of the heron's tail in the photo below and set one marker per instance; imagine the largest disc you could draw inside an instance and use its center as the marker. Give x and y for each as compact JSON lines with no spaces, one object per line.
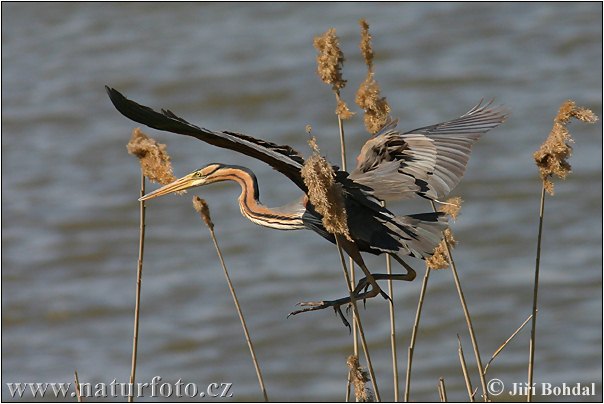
{"x":418,"y":234}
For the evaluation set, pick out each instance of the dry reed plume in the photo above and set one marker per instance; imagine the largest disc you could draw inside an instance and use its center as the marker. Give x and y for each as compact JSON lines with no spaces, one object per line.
{"x":330,"y":61}
{"x":439,"y":259}
{"x":552,"y":156}
{"x":368,"y":97}
{"x":324,"y":193}
{"x":359,"y":378}
{"x":552,"y":159}
{"x":155,"y":165}
{"x":153,"y":156}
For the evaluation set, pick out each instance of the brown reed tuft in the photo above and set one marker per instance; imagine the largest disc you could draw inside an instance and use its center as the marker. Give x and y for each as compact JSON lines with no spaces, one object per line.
{"x":342,"y":109}
{"x":552,"y":156}
{"x":368,"y":95}
{"x":451,"y":207}
{"x":359,"y":377}
{"x":366,"y":48}
{"x":439,"y":259}
{"x":324,"y":193}
{"x":330,"y":59}
{"x":153,"y":156}
{"x":201,"y":206}
{"x":375,"y":106}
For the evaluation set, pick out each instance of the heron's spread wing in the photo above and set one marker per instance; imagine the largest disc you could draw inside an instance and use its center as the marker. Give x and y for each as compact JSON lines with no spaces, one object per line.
{"x":282,"y":158}
{"x":428,"y":161}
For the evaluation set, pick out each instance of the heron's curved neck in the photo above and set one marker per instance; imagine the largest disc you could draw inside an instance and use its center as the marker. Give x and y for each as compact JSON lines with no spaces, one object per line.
{"x":287,"y":217}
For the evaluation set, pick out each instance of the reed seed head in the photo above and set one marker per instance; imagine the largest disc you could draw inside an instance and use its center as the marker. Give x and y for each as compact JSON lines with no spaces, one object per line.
{"x":552,"y":157}
{"x":440,"y":258}
{"x":366,"y":49}
{"x":376,"y":107}
{"x":359,"y":377}
{"x":153,"y":156}
{"x":368,"y":95}
{"x":330,"y":59}
{"x":451,"y":207}
{"x":324,"y":193}
{"x":342,"y":109}
{"x":201,"y":206}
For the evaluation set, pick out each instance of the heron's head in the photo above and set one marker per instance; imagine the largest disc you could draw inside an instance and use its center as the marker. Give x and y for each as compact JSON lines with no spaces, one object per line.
{"x":206,"y":175}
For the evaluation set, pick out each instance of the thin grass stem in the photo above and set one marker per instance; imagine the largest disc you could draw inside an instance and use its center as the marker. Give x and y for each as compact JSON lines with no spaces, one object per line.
{"x":531,"y":363}
{"x":464,"y":369}
{"x":393,"y":349}
{"x":486,"y":368}
{"x":414,"y":330}
{"x":248,"y":339}
{"x":77,"y":386}
{"x":466,"y":312}
{"x":442,"y":391}
{"x":355,"y":336}
{"x":139,"y":279}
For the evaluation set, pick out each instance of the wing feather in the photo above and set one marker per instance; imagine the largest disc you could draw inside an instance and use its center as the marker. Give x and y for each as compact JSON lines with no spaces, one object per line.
{"x":430,"y":161}
{"x":284,"y":159}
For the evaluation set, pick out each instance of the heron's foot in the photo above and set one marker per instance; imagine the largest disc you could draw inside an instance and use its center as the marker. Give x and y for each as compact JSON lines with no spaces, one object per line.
{"x":323,"y":304}
{"x":338,"y":303}
{"x":364,"y":286}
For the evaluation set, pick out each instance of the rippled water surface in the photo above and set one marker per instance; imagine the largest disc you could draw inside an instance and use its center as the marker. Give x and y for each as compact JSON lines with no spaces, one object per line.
{"x":69,"y":190}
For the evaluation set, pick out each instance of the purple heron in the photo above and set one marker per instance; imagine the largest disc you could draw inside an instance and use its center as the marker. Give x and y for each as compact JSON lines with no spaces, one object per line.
{"x":427,"y":162}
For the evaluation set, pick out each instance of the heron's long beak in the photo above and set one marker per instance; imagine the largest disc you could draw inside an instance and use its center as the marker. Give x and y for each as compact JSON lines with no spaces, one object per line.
{"x":186,"y":182}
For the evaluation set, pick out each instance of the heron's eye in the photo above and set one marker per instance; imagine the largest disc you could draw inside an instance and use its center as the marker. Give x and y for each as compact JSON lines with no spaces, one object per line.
{"x":198,"y":174}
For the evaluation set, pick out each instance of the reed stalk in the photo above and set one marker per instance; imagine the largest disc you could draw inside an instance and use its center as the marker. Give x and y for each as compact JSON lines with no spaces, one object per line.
{"x":376,"y":115}
{"x":464,"y":369}
{"x":357,"y":320}
{"x":393,"y":350}
{"x":203,"y":209}
{"x":552,"y":160}
{"x":155,"y":165}
{"x":466,"y":312}
{"x":411,"y":348}
{"x":139,"y":280}
{"x":442,"y":391}
{"x":77,"y":386}
{"x":511,"y":337}
{"x":529,"y":394}
{"x":355,"y":336}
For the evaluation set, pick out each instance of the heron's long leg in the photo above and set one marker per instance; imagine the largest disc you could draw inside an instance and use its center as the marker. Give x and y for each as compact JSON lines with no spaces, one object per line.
{"x":353,"y":251}
{"x":409,"y":276}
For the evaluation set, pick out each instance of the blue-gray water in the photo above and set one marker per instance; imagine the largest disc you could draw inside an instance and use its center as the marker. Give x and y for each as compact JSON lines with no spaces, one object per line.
{"x":70,"y":210}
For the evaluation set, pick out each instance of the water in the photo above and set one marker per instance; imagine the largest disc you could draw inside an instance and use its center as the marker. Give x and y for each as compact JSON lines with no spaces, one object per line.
{"x":70,"y":219}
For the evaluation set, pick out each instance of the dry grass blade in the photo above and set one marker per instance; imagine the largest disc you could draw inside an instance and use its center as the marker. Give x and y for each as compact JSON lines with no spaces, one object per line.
{"x":552,"y":159}
{"x":202,"y":208}
{"x":464,"y":369}
{"x":507,"y":341}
